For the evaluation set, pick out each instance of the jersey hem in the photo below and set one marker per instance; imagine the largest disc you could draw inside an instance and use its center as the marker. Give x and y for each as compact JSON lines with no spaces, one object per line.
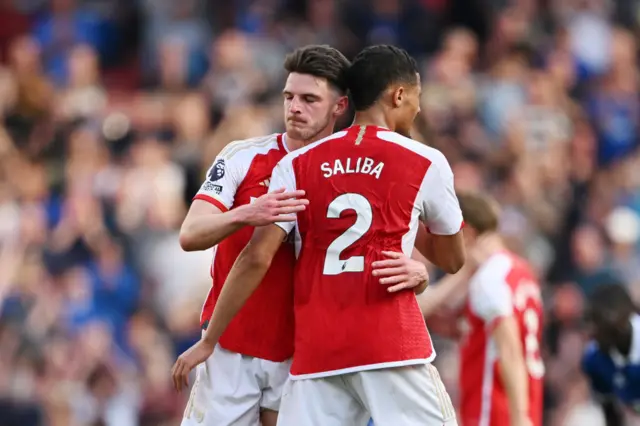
{"x":275,"y":360}
{"x":359,"y":368}
{"x":213,"y":201}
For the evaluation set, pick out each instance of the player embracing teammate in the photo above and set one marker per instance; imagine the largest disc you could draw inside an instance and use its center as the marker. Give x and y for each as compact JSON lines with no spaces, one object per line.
{"x":241,"y":382}
{"x":360,"y":351}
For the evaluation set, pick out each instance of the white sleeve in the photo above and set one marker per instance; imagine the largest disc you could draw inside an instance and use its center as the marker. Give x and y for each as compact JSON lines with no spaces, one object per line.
{"x":440,"y":208}
{"x":222,"y":181}
{"x":490,"y":296}
{"x":283,"y":177}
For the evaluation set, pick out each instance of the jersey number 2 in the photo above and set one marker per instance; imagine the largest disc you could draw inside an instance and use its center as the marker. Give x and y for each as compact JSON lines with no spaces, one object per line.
{"x":332,"y":263}
{"x":533,"y":360}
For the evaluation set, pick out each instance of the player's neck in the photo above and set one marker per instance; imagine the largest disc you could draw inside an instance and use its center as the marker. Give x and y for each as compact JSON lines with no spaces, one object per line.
{"x":372,"y":117}
{"x":291,"y":144}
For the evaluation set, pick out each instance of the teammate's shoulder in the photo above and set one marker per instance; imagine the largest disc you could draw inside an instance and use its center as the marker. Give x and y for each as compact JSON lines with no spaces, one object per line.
{"x":521,"y":265}
{"x":250,"y":146}
{"x":498,"y":265}
{"x":433,"y":154}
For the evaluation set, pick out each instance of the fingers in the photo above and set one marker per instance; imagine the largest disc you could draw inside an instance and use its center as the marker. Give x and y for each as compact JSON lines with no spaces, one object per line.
{"x":398,"y":287}
{"x":176,"y":374}
{"x":292,"y":203}
{"x":281,"y":195}
{"x":180,"y":375}
{"x":387,"y":272}
{"x":387,"y":263}
{"x":395,"y":259}
{"x":395,"y":279}
{"x":288,"y":210}
{"x":279,"y":190}
{"x":283,"y":218}
{"x":393,"y":254}
{"x":185,"y":377}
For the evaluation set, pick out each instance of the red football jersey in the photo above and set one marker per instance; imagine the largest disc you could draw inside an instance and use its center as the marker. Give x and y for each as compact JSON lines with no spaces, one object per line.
{"x":503,"y":286}
{"x":264,"y":326}
{"x":367,"y":188}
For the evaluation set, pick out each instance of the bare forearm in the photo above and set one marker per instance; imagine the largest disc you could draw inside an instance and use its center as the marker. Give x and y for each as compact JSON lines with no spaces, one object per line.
{"x":415,"y":255}
{"x":204,"y":232}
{"x":425,"y":246}
{"x":434,"y":253}
{"x":243,"y":280}
{"x":443,"y":292}
{"x":514,"y":377}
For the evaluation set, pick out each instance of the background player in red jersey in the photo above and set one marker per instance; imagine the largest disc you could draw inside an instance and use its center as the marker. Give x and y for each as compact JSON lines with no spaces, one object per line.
{"x":245,"y":375}
{"x":360,"y":351}
{"x":501,"y":369}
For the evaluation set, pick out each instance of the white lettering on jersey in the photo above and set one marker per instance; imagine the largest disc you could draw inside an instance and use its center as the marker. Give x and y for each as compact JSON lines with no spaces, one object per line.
{"x":350,"y":165}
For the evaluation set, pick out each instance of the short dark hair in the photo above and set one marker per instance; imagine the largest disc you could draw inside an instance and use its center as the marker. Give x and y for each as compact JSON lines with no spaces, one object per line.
{"x":611,"y":297}
{"x":374,"y":69}
{"x":478,"y":211}
{"x":322,"y":61}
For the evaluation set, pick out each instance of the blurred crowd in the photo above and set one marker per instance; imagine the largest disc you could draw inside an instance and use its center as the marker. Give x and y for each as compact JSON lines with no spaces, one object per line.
{"x":112,"y":110}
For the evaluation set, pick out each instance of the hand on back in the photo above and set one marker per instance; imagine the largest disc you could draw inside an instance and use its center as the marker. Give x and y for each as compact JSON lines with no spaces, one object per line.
{"x":400,"y":272}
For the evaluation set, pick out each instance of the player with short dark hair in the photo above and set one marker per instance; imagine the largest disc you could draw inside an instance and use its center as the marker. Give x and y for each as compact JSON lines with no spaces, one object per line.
{"x":611,"y":360}
{"x":320,"y":61}
{"x":360,"y":351}
{"x":375,"y":69}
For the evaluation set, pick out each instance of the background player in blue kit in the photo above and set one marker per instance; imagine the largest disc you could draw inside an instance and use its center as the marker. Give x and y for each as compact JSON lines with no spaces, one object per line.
{"x":611,"y":360}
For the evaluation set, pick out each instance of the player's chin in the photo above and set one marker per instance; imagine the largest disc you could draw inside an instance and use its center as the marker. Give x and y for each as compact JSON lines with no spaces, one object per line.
{"x":298,"y":131}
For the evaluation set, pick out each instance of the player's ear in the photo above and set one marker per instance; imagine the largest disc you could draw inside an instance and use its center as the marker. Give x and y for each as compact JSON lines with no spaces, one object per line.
{"x":398,"y":96}
{"x":341,"y":105}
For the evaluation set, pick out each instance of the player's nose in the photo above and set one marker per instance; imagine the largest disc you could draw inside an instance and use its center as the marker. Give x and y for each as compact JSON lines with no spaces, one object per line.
{"x":294,"y":105}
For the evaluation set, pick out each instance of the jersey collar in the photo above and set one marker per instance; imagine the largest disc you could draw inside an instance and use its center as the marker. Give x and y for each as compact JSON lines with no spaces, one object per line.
{"x":634,"y":353}
{"x":282,"y":142}
{"x":368,"y":125}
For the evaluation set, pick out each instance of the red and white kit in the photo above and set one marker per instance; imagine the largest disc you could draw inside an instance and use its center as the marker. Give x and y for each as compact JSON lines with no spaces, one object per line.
{"x":503,"y":286}
{"x":251,"y":363}
{"x":368,"y":188}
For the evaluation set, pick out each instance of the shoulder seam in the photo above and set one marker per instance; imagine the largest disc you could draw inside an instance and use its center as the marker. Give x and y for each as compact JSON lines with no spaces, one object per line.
{"x":236,"y":146}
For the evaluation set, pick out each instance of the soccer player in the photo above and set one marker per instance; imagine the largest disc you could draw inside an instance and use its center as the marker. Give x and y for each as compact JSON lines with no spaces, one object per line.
{"x":360,"y":351}
{"x":611,"y":360}
{"x":501,"y":369}
{"x":241,"y":383}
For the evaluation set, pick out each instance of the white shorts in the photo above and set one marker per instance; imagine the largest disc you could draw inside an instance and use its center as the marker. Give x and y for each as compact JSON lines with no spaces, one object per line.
{"x":403,"y":396}
{"x":231,"y":389}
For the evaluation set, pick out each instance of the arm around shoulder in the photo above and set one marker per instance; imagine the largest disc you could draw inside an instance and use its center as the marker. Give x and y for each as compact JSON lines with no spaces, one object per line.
{"x":206,"y":226}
